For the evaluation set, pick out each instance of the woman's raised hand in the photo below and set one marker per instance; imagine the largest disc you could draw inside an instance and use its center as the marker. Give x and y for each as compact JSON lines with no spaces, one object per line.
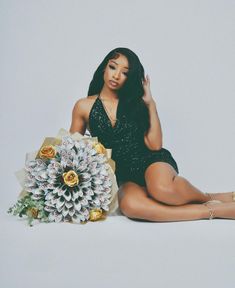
{"x":147,"y":97}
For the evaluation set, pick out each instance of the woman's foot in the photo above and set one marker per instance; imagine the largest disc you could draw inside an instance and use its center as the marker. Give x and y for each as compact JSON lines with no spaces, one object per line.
{"x":219,"y":210}
{"x":223,"y":196}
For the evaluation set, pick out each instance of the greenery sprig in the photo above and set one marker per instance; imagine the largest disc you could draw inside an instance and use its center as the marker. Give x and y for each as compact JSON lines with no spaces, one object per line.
{"x":32,"y":209}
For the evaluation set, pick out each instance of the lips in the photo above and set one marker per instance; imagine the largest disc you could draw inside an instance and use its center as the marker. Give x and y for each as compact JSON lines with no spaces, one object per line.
{"x":113,"y":83}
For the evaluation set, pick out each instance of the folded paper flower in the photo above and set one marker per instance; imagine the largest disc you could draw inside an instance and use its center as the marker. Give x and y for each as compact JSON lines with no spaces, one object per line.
{"x":69,"y":179}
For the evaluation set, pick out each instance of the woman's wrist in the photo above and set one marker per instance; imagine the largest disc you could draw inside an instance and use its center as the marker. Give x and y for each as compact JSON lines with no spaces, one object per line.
{"x":151,"y":104}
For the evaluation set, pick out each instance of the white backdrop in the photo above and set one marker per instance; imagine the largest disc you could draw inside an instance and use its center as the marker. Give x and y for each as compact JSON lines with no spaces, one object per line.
{"x":50,"y":49}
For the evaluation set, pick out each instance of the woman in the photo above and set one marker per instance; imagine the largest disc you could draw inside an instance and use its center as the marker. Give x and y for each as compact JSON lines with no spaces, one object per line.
{"x":122,"y":113}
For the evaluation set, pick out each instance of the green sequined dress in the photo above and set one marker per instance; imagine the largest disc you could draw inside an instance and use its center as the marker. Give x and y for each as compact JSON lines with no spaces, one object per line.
{"x":129,"y":151}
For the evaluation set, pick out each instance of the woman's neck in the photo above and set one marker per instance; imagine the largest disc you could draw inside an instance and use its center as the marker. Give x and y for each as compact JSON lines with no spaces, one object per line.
{"x":107,"y":93}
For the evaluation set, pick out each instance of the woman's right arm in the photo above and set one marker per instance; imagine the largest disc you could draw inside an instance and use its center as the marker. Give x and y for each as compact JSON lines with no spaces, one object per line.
{"x":78,"y":120}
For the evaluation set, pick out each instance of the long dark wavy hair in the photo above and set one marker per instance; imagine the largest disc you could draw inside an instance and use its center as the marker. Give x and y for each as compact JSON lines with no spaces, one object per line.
{"x":131,"y":93}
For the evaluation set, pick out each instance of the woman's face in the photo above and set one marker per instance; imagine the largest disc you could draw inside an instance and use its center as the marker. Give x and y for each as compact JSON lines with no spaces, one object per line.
{"x":116,"y":71}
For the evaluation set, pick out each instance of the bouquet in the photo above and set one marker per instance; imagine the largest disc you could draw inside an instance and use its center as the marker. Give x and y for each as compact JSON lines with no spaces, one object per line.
{"x":69,"y":179}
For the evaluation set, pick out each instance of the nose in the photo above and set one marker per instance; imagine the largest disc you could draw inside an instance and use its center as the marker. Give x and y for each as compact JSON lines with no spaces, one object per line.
{"x":116,"y":75}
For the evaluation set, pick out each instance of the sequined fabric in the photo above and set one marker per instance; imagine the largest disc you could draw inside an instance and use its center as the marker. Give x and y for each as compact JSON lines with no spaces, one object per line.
{"x":126,"y":140}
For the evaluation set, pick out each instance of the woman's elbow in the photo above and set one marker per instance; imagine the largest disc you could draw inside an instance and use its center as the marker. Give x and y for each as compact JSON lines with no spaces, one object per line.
{"x":156,"y":148}
{"x":80,"y":130}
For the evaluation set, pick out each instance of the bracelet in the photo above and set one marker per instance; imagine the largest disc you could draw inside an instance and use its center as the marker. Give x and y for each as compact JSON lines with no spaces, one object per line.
{"x":211,"y":211}
{"x":233,"y":193}
{"x":210,"y":195}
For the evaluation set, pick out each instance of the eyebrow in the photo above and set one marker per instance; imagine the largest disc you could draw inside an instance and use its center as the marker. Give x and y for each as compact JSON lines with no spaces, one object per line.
{"x":117,"y":63}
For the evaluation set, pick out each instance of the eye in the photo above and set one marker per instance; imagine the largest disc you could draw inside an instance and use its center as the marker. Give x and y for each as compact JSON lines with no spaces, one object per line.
{"x":112,"y":67}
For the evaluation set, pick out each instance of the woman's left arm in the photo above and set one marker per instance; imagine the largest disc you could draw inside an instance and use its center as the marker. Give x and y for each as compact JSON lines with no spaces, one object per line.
{"x":153,"y":137}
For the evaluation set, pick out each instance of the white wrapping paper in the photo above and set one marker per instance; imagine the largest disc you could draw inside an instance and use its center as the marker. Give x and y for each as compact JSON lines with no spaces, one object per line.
{"x":113,"y":206}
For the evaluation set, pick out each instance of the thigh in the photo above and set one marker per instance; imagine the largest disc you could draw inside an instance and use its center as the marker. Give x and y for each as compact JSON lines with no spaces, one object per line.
{"x":159,"y":176}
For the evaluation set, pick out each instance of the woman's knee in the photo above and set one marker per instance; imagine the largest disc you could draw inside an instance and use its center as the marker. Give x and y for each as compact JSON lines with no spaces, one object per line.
{"x":159,"y":180}
{"x":164,"y":193}
{"x":158,"y":190}
{"x":126,"y":206}
{"x":129,"y":200}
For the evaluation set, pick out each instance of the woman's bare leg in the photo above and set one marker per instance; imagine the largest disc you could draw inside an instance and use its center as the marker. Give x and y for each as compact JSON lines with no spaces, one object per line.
{"x":165,"y":185}
{"x":182,"y":184}
{"x":134,"y":202}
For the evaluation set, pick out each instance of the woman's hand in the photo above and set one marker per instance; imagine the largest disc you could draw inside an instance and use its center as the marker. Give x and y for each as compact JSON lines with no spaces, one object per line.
{"x":147,"y":97}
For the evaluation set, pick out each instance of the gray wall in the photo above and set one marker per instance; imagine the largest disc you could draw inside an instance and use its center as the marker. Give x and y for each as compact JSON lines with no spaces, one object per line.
{"x":50,"y":49}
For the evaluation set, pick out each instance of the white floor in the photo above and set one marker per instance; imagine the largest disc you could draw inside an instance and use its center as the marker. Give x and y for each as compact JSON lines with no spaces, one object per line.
{"x":49,"y":51}
{"x":118,"y":252}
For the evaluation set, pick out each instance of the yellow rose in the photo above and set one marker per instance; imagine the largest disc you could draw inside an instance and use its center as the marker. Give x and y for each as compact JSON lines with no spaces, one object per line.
{"x":33,"y":212}
{"x":99,"y":148}
{"x":47,"y":151}
{"x":70,"y":178}
{"x":96,"y":214}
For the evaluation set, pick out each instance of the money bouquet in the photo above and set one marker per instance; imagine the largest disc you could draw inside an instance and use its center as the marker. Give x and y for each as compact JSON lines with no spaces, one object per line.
{"x":69,"y":179}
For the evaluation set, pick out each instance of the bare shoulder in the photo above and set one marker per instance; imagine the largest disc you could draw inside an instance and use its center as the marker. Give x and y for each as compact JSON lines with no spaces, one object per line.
{"x":83,"y":106}
{"x":80,"y":114}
